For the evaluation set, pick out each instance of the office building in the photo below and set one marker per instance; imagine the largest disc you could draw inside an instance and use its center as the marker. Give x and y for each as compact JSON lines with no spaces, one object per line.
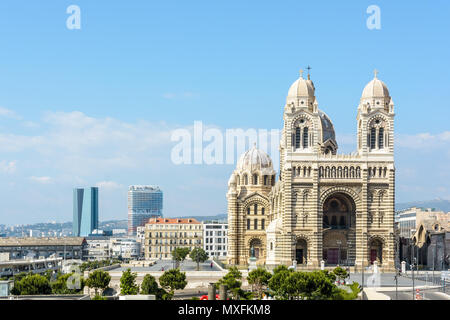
{"x":144,"y":202}
{"x":85,"y":211}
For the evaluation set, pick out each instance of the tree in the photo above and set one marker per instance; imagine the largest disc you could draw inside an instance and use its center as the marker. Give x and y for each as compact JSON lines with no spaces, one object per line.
{"x":98,"y":280}
{"x":319,"y":286}
{"x":232,"y":281}
{"x":294,"y":285}
{"x":33,"y":284}
{"x":60,"y":285}
{"x":172,"y":280}
{"x":275,"y":284}
{"x":48,"y":274}
{"x":128,"y":284}
{"x":198,"y":255}
{"x":150,"y":286}
{"x":341,"y":273}
{"x":259,"y":279}
{"x":179,"y":254}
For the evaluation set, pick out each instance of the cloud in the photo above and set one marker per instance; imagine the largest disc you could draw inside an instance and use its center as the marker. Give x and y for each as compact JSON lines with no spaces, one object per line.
{"x":43,"y":180}
{"x":4,"y":112}
{"x":7,"y":167}
{"x":424,"y":141}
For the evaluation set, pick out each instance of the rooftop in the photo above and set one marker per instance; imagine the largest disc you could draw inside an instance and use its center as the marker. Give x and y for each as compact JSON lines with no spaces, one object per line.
{"x":173,"y":221}
{"x":68,"y":241}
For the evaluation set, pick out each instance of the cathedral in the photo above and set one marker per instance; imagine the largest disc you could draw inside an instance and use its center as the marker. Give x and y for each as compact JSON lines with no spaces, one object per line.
{"x":325,"y":207}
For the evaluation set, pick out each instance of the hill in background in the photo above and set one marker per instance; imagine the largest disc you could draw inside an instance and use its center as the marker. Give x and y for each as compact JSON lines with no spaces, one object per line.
{"x":437,"y":204}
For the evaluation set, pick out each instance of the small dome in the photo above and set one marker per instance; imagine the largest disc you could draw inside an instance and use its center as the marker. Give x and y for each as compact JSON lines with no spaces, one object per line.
{"x":327,"y":127}
{"x":301,"y":88}
{"x":375,"y":89}
{"x":232,"y":180}
{"x":255,"y":160}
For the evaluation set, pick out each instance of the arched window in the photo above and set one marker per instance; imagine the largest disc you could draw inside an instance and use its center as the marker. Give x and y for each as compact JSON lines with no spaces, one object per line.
{"x":297,"y":138}
{"x":372,"y":137}
{"x":333,"y":221}
{"x":255,"y":179}
{"x":265,"y":180}
{"x":248,"y":210}
{"x":305,"y":137}
{"x":263,"y":222}
{"x":255,"y":224}
{"x":248,"y":224}
{"x":380,"y":138}
{"x":262,"y":210}
{"x":256,"y":208}
{"x":245,"y":179}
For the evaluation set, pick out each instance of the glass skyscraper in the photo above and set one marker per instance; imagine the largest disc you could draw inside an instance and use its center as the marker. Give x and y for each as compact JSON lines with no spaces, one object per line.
{"x":144,"y":202}
{"x":85,"y":211}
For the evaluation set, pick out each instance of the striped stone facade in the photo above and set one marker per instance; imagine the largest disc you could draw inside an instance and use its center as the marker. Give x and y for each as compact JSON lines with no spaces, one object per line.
{"x":325,"y":206}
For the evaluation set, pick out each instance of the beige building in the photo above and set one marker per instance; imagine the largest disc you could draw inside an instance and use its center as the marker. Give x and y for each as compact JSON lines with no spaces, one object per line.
{"x":324,"y":206}
{"x":163,"y":235}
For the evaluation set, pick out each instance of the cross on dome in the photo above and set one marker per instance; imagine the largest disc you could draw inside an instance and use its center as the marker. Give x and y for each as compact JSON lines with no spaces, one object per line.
{"x":309,"y":69}
{"x":301,"y":73}
{"x":375,"y":72}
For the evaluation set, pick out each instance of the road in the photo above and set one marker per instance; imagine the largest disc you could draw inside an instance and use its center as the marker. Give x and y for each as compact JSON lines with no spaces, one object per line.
{"x":432,"y":294}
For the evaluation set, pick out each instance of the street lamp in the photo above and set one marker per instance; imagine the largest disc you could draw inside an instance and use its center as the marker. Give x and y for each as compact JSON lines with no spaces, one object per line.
{"x":397,"y":274}
{"x":412,"y":272}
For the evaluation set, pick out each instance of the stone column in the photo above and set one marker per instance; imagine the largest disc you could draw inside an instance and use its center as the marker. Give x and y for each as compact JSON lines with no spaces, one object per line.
{"x":316,"y":221}
{"x":211,"y":292}
{"x":223,"y":292}
{"x":232,"y":254}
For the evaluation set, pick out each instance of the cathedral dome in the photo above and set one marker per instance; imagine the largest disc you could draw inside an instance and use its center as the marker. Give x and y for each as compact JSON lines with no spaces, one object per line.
{"x":301,"y":88}
{"x":327,"y":127}
{"x":255,"y":160}
{"x":375,"y":89}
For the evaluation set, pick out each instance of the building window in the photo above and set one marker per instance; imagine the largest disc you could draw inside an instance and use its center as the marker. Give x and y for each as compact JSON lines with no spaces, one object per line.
{"x":372,"y":138}
{"x":297,"y":138}
{"x":380,"y":138}
{"x":305,"y":137}
{"x":248,"y":224}
{"x":256,"y":209}
{"x":255,"y":224}
{"x":255,"y":179}
{"x":262,"y":210}
{"x":263,"y":223}
{"x":248,"y":210}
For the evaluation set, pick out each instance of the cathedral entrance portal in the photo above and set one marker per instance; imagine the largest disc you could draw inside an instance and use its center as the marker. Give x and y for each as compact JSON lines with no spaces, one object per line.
{"x":301,"y":251}
{"x":339,"y":220}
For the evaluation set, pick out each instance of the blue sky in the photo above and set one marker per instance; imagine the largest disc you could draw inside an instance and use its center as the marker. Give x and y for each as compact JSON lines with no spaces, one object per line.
{"x":96,"y":106}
